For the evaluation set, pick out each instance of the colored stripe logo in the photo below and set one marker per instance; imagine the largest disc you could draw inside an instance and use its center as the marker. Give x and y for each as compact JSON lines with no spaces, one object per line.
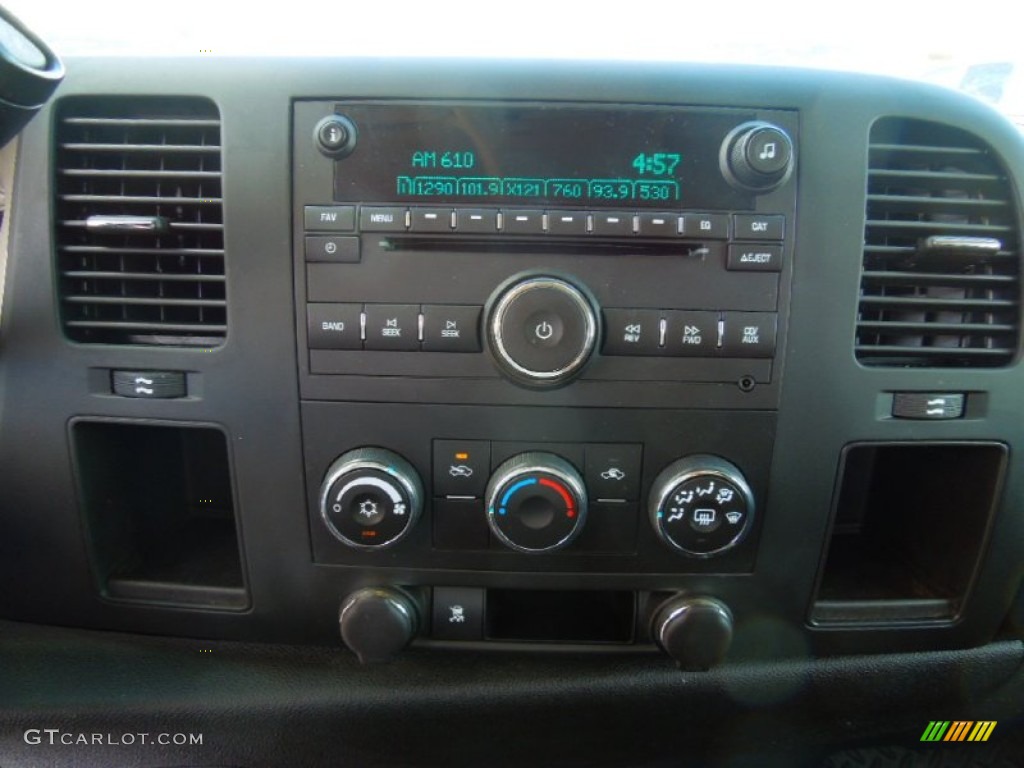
{"x":958,"y":730}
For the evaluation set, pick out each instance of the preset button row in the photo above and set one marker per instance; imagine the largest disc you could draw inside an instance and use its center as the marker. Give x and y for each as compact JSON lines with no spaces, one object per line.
{"x":531,"y":221}
{"x":396,"y":327}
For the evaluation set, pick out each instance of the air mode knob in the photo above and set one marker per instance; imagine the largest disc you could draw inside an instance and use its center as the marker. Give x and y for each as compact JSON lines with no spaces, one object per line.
{"x":701,"y":506}
{"x":757,"y":157}
{"x":536,"y":502}
{"x":371,"y":498}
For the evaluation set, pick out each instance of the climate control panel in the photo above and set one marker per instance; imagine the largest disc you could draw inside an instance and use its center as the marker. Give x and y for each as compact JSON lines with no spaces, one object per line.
{"x":684,"y":503}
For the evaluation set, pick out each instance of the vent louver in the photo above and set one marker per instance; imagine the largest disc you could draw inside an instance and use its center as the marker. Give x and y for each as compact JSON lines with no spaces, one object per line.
{"x":940,"y":283}
{"x":139,"y":225}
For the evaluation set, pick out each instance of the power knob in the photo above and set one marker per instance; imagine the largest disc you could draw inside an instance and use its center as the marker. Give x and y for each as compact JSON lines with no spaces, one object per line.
{"x":542,"y":330}
{"x":757,"y":157}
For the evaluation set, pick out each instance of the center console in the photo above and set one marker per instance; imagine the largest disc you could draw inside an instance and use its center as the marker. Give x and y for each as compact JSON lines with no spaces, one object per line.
{"x":540,"y":339}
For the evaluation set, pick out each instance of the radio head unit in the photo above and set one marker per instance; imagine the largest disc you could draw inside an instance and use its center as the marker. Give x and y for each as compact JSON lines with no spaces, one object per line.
{"x":531,"y":246}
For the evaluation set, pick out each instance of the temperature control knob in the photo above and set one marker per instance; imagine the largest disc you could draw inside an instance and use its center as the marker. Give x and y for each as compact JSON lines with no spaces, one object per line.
{"x":757,"y":157}
{"x":371,"y":498}
{"x":701,"y":506}
{"x":536,"y":502}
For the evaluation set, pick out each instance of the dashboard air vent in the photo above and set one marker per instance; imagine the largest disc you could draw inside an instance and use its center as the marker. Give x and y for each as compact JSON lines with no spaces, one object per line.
{"x":940,"y":284}
{"x":139,"y":223}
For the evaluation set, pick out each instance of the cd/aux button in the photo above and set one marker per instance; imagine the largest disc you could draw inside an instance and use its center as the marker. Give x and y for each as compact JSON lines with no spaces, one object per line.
{"x":749,"y":334}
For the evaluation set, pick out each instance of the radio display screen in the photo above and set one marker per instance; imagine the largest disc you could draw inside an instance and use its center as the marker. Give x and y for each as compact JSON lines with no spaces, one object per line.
{"x":538,"y":154}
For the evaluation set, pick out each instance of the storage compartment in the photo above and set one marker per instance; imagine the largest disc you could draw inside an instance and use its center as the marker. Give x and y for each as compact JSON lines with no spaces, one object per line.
{"x":908,"y":531}
{"x":159,"y":513}
{"x":542,"y":616}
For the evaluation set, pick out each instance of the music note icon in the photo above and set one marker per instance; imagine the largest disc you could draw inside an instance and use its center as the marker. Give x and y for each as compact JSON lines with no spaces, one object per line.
{"x":767,"y":151}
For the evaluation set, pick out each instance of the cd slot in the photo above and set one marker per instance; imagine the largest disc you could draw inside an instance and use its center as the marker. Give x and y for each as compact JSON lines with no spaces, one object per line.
{"x":561,"y":245}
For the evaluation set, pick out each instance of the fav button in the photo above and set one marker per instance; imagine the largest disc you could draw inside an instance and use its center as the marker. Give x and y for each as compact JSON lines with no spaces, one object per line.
{"x":330,"y":218}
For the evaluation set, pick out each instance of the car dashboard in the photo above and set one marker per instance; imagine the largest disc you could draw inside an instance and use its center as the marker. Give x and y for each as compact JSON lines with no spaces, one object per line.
{"x":368,"y":392}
